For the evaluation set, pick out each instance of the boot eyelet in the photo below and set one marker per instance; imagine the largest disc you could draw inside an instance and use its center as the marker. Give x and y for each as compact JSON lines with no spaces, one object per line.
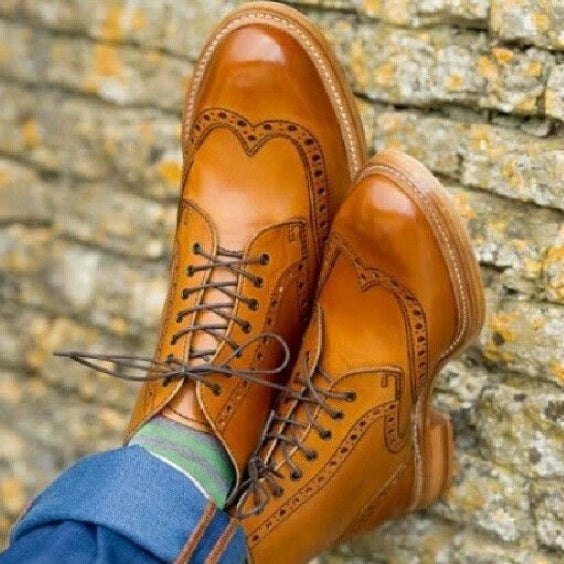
{"x":350,"y":396}
{"x":295,"y":475}
{"x":185,"y":293}
{"x":279,"y":492}
{"x":216,"y":391}
{"x":190,"y":271}
{"x":196,"y":248}
{"x":253,"y":304}
{"x":179,"y":318}
{"x":311,"y":455}
{"x":259,"y":282}
{"x":264,"y":259}
{"x":338,"y":416}
{"x":247,"y":328}
{"x":325,"y":434}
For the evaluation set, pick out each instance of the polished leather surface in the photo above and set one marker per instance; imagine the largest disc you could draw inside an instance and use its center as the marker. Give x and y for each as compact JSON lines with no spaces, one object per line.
{"x":265,"y":169}
{"x":386,"y":314}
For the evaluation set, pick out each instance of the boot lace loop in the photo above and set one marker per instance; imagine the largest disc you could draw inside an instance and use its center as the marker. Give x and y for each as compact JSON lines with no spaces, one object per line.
{"x":146,"y":369}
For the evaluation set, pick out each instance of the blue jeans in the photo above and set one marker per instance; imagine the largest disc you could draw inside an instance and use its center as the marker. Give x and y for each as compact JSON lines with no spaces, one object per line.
{"x":124,"y":506}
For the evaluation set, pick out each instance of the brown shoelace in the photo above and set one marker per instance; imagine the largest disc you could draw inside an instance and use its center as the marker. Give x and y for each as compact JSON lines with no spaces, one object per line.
{"x":263,"y":475}
{"x":143,"y":369}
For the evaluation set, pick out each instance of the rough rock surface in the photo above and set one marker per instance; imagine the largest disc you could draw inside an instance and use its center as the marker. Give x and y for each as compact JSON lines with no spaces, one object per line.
{"x":89,"y":170}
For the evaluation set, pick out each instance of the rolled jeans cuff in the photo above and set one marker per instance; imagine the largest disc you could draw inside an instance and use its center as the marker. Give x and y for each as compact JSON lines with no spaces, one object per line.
{"x":143,"y":499}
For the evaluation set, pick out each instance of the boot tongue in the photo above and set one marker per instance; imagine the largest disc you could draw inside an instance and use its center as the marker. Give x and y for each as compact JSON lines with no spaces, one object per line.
{"x":241,"y":195}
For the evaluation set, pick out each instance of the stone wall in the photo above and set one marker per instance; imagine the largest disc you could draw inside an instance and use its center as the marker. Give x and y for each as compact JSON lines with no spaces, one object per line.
{"x":90,"y":98}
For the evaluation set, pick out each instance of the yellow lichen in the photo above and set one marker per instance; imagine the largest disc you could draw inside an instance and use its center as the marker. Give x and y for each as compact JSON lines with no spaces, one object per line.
{"x":538,"y":322}
{"x":541,"y":21}
{"x":170,"y":171}
{"x":557,"y":369}
{"x":30,"y":133}
{"x":372,"y":7}
{"x":534,"y":69}
{"x":384,"y":74}
{"x":526,"y":105}
{"x":454,"y":82}
{"x":4,"y":177}
{"x":138,"y":20}
{"x":532,"y":267}
{"x":487,"y":68}
{"x":503,"y":56}
{"x":106,"y":62}
{"x":500,"y":323}
{"x":146,"y":131}
{"x":119,"y":325}
{"x":463,"y":207}
{"x":111,"y":28}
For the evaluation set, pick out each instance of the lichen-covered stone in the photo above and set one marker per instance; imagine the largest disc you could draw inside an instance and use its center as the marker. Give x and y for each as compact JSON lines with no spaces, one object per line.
{"x":537,"y":22}
{"x":159,"y":25}
{"x":433,"y":140}
{"x":529,"y":430}
{"x":425,"y":12}
{"x":553,"y":268}
{"x":131,"y":224}
{"x":513,"y":164}
{"x":554,"y":97}
{"x":24,"y":197}
{"x":109,"y":290}
{"x":525,"y":246}
{"x":524,"y":337}
{"x":489,"y":498}
{"x":515,"y":81}
{"x":410,"y":66}
{"x":118,"y":74}
{"x":548,"y":500}
{"x":417,"y":67}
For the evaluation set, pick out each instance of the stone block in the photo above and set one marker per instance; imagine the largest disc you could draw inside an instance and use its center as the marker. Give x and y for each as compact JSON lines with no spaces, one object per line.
{"x":123,"y":75}
{"x":524,"y":337}
{"x":427,"y":12}
{"x":24,"y":198}
{"x":114,"y":220}
{"x":522,"y":429}
{"x":529,"y":22}
{"x":433,"y":140}
{"x":548,"y":504}
{"x":553,"y":268}
{"x":51,"y":131}
{"x":524,"y":245}
{"x":406,"y":66}
{"x":554,"y":97}
{"x":142,"y":149}
{"x":513,"y":164}
{"x":113,"y":292}
{"x":515,"y":80}
{"x":487,"y":498}
{"x":70,"y":136}
{"x":158,"y":25}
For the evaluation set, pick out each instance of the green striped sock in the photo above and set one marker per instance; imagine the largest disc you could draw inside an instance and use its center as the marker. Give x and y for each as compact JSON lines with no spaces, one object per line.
{"x":197,"y":454}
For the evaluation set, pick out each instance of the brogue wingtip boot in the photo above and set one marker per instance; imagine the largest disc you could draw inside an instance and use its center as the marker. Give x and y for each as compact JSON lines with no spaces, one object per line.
{"x":271,"y":140}
{"x":354,"y":441}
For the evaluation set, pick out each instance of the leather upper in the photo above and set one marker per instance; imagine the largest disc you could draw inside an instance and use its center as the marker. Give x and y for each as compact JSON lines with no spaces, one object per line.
{"x":265,"y":168}
{"x":345,"y":455}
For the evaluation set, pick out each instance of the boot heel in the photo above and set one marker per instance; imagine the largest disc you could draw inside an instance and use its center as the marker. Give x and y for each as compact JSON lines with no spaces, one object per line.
{"x":438,"y":462}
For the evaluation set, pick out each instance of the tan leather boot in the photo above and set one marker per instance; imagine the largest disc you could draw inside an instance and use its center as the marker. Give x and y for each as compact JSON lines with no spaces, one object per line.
{"x":271,"y":140}
{"x":355,"y":441}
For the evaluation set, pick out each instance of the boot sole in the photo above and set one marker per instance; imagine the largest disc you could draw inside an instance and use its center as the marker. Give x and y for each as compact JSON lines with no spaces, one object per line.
{"x":434,"y":444}
{"x":314,"y":44}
